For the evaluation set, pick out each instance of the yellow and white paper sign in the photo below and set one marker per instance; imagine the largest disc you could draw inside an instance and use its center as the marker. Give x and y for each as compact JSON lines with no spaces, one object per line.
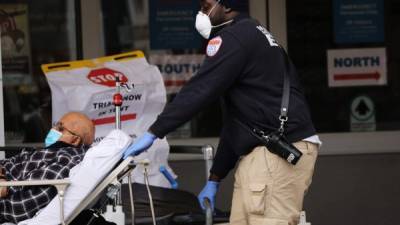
{"x":88,"y":86}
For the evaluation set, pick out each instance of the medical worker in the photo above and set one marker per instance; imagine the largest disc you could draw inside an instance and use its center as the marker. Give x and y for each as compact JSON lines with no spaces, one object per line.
{"x":244,"y":67}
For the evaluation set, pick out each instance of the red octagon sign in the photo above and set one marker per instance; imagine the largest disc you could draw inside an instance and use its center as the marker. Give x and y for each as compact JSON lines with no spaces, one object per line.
{"x":106,"y":77}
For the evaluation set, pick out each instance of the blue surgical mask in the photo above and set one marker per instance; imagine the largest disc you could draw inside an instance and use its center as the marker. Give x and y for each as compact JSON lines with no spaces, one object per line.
{"x":52,"y":137}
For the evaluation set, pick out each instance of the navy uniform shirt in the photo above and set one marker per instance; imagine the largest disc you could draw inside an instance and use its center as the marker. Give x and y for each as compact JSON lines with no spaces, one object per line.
{"x":244,"y":67}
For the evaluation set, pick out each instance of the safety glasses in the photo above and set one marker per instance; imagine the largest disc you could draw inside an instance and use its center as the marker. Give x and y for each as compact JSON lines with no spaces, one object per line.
{"x":60,"y":127}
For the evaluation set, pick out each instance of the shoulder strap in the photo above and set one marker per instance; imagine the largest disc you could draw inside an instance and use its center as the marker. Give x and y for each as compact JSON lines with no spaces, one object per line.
{"x":286,"y":92}
{"x":283,"y":117}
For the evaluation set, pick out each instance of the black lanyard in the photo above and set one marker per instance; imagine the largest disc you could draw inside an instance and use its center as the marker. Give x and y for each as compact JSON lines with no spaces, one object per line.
{"x":286,"y":93}
{"x":283,"y":117}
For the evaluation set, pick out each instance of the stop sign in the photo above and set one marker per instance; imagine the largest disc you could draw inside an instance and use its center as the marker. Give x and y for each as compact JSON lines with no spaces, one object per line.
{"x":106,"y":77}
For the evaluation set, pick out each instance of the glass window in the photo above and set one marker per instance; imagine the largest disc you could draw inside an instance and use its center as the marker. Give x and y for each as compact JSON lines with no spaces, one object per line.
{"x":310,"y":34}
{"x":126,"y":25}
{"x":33,"y":33}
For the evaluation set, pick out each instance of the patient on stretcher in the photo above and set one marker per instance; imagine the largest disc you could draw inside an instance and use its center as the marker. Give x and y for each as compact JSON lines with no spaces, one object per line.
{"x":66,"y":145}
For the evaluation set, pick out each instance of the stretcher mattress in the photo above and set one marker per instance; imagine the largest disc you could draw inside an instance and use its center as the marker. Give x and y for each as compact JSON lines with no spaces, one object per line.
{"x":97,"y":163}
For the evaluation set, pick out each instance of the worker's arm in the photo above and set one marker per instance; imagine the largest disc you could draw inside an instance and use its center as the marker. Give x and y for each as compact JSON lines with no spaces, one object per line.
{"x":217,"y":74}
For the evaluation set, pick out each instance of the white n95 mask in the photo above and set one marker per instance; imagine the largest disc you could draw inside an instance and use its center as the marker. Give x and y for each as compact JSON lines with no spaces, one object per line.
{"x":203,"y":23}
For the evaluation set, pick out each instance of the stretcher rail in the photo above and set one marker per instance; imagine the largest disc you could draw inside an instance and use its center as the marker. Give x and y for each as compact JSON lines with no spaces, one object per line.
{"x":120,"y":172}
{"x":60,"y":185}
{"x":207,"y":151}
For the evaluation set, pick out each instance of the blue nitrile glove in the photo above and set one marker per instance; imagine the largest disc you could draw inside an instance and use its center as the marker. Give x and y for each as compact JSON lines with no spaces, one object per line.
{"x":209,"y":191}
{"x":141,"y":144}
{"x":168,"y":176}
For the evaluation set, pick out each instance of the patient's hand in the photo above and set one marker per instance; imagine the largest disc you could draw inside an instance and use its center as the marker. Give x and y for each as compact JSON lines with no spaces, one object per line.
{"x":3,"y":190}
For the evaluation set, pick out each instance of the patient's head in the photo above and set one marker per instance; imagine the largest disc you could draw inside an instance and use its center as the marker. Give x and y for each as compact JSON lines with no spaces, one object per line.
{"x":76,"y":129}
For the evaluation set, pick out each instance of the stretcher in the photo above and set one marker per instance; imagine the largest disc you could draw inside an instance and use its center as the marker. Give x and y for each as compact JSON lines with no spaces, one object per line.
{"x":100,"y":169}
{"x":88,"y":181}
{"x":109,"y":169}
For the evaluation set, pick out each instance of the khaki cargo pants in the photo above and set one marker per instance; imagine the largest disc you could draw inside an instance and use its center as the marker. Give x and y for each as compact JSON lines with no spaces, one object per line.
{"x":270,"y":191}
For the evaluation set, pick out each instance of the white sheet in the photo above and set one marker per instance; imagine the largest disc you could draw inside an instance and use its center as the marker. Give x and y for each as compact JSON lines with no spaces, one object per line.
{"x":97,"y":163}
{"x":158,"y":156}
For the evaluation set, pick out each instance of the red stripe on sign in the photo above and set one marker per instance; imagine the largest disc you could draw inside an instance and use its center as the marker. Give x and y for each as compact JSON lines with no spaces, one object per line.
{"x":169,"y":83}
{"x":108,"y":120}
{"x":358,"y":76}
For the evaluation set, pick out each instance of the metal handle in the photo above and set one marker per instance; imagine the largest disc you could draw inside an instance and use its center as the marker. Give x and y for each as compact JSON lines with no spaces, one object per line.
{"x":208,"y":153}
{"x":209,"y":211}
{"x":117,"y":100}
{"x":131,"y":198}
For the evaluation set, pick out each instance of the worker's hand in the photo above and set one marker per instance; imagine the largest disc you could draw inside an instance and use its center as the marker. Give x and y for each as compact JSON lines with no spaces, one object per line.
{"x":140,"y":145}
{"x":209,"y":191}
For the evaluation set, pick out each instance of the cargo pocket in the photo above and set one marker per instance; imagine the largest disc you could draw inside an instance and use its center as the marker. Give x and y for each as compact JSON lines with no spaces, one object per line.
{"x":258,"y":192}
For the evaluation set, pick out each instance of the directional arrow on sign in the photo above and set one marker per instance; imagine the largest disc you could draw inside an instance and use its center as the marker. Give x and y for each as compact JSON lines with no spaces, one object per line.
{"x":357,"y":76}
{"x":362,"y":108}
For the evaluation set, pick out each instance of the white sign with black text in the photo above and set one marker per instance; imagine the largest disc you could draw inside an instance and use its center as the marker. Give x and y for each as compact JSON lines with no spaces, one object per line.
{"x":176,"y":69}
{"x":357,"y":67}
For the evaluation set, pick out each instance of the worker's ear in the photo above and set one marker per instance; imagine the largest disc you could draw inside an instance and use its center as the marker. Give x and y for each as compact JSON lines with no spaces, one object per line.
{"x":226,"y":9}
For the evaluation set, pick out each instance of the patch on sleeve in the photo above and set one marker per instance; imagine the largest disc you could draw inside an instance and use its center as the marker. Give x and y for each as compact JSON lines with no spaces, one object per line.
{"x":213,"y":46}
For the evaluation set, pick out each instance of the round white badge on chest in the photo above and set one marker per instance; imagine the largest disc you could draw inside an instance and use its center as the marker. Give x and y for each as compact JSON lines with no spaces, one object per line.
{"x":213,"y":46}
